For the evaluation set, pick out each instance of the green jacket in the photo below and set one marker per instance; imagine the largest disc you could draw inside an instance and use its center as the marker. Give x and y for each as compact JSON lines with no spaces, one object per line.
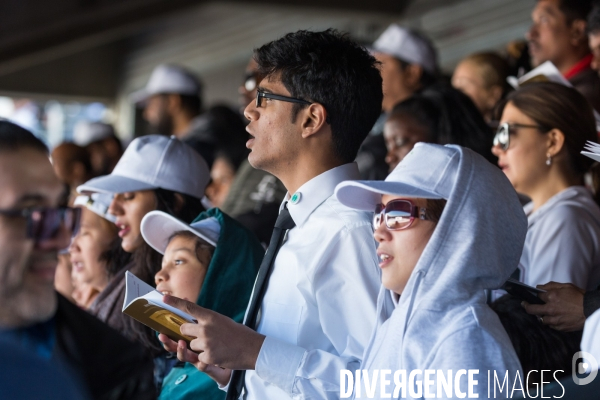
{"x":226,"y":289}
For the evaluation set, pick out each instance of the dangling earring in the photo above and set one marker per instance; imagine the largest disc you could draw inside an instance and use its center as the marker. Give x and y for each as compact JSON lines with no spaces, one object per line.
{"x":549,"y":161}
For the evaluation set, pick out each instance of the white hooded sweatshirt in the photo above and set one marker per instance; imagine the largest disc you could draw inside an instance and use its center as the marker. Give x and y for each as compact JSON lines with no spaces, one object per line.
{"x":441,"y":321}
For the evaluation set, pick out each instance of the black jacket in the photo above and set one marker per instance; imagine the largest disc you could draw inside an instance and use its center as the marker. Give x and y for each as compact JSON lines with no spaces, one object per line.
{"x":112,"y":367}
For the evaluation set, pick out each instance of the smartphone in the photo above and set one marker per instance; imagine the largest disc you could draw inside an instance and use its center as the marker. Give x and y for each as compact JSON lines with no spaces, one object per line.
{"x":523,"y":291}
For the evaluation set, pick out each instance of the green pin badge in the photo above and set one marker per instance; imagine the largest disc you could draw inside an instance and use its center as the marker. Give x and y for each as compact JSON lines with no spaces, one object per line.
{"x":296,"y":198}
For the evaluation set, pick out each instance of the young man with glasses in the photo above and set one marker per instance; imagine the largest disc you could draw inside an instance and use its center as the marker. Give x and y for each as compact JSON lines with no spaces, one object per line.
{"x":34,"y":227}
{"x":313,"y":308}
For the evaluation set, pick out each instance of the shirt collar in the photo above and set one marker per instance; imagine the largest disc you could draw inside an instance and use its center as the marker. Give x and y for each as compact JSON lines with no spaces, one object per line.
{"x":583,"y":64}
{"x":317,"y":190}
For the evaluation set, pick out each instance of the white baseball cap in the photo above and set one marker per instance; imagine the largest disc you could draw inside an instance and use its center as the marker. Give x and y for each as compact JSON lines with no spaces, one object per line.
{"x":153,"y":162}
{"x":86,"y":132}
{"x":98,"y":203}
{"x":168,"y":79}
{"x":157,"y":228}
{"x":428,"y":172}
{"x":407,"y":45}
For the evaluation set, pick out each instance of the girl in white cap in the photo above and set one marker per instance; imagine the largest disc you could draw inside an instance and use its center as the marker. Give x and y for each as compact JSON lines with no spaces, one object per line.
{"x":449,"y":226}
{"x":212,"y":262}
{"x":155,"y":173}
{"x":96,"y":252}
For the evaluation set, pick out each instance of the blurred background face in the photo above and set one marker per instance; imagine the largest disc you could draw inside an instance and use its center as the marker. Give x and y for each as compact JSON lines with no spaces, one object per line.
{"x":399,"y":251}
{"x":222,"y":174}
{"x":549,"y":35}
{"x":130,"y":208}
{"x":401,"y":132}
{"x":397,"y":84}
{"x":524,"y":163}
{"x":94,"y":238}
{"x":27,"y":267}
{"x":183,"y":270}
{"x":247,"y":90}
{"x":156,"y":113}
{"x":467,"y":78}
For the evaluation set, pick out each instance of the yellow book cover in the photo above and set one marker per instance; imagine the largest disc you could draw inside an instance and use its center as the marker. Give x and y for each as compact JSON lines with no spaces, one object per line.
{"x":144,"y":304}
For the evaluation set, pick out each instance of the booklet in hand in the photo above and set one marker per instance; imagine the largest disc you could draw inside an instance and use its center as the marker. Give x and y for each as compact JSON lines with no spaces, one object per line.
{"x":592,"y":150}
{"x":523,"y":291}
{"x":145,"y":304}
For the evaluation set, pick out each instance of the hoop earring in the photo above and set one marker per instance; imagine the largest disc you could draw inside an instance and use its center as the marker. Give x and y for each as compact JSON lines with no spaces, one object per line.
{"x":549,"y":161}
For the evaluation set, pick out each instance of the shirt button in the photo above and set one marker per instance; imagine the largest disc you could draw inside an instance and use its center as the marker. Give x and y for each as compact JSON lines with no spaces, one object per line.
{"x":181,"y":379}
{"x":296,"y":198}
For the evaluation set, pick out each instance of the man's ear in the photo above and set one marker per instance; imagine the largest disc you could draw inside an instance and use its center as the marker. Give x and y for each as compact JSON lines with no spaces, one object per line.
{"x":579,"y":32}
{"x":314,"y":118}
{"x":556,"y":141}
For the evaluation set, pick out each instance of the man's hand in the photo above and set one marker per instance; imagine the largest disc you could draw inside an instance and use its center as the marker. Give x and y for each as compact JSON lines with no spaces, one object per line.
{"x":563,"y":310}
{"x":219,"y":341}
{"x":219,"y":375}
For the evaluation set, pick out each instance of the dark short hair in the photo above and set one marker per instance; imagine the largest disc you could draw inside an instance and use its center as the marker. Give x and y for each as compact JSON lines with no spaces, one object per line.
{"x":13,"y":137}
{"x":574,"y":9}
{"x":329,"y":68}
{"x":593,"y":20}
{"x":192,"y":104}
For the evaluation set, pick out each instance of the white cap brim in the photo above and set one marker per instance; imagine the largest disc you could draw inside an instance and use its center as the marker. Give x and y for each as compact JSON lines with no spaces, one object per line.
{"x":157,"y":227}
{"x":366,"y":195}
{"x":140,"y":96}
{"x":113,"y":184}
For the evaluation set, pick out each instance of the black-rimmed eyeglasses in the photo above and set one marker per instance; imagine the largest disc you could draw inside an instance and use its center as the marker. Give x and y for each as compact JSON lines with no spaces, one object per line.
{"x":260,"y":95}
{"x":44,"y":223}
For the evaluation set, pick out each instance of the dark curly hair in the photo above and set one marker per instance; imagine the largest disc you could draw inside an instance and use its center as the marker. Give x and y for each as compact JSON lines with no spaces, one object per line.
{"x":328,"y":68}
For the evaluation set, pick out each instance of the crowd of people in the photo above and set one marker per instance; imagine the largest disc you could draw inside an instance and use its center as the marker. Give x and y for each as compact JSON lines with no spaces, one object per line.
{"x":362,"y":213}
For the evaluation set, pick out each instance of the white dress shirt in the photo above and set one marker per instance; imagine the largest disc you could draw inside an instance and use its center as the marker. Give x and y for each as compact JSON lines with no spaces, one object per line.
{"x":319,"y":308}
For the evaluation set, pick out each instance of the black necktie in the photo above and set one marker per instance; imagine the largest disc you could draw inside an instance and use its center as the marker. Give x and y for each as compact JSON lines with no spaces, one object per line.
{"x":284,"y":223}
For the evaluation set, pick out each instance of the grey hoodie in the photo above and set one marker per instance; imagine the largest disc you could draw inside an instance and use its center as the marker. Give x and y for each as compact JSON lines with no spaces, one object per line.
{"x":441,"y":320}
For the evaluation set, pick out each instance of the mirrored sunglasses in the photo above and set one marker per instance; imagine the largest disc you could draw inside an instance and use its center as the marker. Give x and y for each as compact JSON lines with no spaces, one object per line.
{"x":397,"y":214}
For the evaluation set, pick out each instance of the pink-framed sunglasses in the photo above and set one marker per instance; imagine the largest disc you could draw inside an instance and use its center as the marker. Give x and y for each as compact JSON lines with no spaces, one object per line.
{"x":398,"y":214}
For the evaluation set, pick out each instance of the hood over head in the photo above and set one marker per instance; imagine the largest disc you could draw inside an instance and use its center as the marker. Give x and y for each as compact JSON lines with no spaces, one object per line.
{"x":479,"y":239}
{"x":232,"y":271}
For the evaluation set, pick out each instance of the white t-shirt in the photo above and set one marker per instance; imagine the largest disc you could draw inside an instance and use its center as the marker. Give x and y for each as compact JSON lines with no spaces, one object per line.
{"x":563,"y":241}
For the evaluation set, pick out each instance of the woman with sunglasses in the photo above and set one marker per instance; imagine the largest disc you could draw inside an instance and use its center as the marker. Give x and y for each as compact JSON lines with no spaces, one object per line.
{"x":543,"y":129}
{"x":154,"y":173}
{"x":440,"y":247}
